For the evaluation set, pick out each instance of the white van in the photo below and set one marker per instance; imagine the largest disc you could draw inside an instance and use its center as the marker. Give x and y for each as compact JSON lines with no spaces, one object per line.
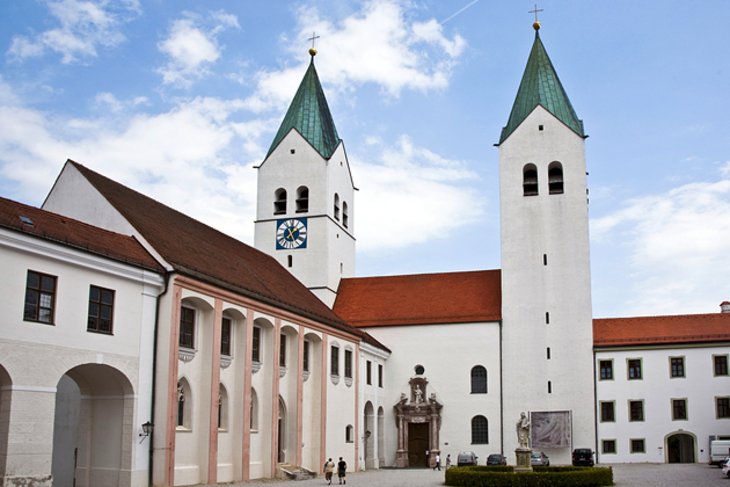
{"x":719,"y":450}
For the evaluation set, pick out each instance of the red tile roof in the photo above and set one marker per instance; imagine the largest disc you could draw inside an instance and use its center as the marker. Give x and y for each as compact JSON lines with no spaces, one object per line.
{"x":454,"y":297}
{"x":75,"y":234}
{"x":657,"y":330}
{"x":197,"y":250}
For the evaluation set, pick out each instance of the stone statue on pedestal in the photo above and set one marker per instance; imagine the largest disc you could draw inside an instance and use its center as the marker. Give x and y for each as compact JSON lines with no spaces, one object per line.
{"x":523,"y":431}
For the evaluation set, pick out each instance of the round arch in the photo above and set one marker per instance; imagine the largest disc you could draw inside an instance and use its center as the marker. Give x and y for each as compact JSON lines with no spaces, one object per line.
{"x":369,"y":435}
{"x":381,"y":437}
{"x":93,"y":426}
{"x":680,"y":447}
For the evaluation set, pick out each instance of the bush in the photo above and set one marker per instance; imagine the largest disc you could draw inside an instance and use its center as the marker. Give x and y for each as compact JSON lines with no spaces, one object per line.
{"x":500,"y":476}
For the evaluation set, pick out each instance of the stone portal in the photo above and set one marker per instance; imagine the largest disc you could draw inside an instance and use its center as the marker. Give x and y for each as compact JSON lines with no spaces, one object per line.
{"x":418,"y":417}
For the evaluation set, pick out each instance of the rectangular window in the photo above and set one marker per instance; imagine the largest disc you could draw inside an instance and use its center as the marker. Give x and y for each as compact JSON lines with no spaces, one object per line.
{"x":369,"y":372}
{"x":720,"y":362}
{"x":40,"y":295}
{"x":226,"y":337}
{"x":335,"y":361}
{"x":607,"y":412}
{"x":101,"y":310}
{"x":256,"y":345}
{"x":637,"y":446}
{"x":348,"y":364}
{"x":606,"y":368}
{"x":636,"y":410}
{"x":608,"y":446}
{"x":380,"y":375}
{"x":305,"y":356}
{"x":722,"y":407}
{"x":676,"y":366}
{"x":679,"y":409}
{"x":187,"y":328}
{"x":282,"y":350}
{"x":634,"y":368}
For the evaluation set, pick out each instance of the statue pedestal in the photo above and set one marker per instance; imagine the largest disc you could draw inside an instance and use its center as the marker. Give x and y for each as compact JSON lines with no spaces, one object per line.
{"x":523,"y":460}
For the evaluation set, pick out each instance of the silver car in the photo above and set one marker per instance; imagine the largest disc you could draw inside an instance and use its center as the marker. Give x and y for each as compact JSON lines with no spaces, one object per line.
{"x":538,"y":458}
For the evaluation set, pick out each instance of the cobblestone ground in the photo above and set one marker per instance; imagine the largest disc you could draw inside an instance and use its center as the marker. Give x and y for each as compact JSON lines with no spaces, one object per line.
{"x":624,"y":475}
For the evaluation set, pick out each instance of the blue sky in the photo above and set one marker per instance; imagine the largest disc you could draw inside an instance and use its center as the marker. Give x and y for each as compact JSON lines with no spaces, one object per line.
{"x":180,"y":99}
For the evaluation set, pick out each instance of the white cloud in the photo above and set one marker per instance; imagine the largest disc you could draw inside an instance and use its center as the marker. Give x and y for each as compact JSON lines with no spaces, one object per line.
{"x":193,"y":157}
{"x":410,"y":195}
{"x":84,"y":25}
{"x":191,"y":47}
{"x":378,"y":44}
{"x":678,"y":243}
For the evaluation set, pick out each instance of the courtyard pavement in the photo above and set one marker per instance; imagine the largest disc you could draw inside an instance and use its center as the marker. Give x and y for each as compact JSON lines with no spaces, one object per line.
{"x":624,"y":475}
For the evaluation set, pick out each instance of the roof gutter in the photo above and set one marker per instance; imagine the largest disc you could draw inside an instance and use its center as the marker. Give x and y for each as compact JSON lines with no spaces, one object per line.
{"x":166,"y":287}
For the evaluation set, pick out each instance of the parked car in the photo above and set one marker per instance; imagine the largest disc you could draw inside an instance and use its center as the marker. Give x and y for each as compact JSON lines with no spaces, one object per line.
{"x":726,"y":467}
{"x":538,"y":458}
{"x":466,"y":458}
{"x":496,"y":459}
{"x":583,"y":457}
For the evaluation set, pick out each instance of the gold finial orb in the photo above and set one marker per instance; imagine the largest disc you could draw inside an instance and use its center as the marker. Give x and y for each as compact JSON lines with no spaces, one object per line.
{"x":536,"y":25}
{"x":312,"y":51}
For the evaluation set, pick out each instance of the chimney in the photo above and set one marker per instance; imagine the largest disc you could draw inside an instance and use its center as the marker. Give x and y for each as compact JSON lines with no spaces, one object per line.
{"x":725,"y":307}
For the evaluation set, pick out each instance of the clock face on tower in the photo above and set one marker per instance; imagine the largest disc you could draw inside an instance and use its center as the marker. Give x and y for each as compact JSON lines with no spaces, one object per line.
{"x":291,"y":233}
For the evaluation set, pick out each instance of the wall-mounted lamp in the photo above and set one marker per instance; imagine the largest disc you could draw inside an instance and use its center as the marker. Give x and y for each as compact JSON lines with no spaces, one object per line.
{"x":146,"y":429}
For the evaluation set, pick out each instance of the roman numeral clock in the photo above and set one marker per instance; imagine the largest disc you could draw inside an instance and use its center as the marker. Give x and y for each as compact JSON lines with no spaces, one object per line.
{"x":291,"y":233}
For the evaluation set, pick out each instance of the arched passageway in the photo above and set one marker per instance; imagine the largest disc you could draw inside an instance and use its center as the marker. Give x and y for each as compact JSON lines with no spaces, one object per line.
{"x":680,"y":448}
{"x":93,"y":428}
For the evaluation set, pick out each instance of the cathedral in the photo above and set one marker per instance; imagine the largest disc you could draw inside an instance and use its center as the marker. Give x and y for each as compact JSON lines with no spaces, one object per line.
{"x":140,"y":346}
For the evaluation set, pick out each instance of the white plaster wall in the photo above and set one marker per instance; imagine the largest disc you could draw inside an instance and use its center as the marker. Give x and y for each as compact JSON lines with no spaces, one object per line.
{"x":556,"y":226}
{"x":657,"y":389}
{"x":312,"y":404}
{"x":447,"y":352}
{"x":374,"y":394}
{"x":55,"y":349}
{"x":342,"y":407}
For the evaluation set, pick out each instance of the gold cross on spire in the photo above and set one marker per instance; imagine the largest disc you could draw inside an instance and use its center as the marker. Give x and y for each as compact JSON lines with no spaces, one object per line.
{"x":536,"y":24}
{"x":312,"y":50}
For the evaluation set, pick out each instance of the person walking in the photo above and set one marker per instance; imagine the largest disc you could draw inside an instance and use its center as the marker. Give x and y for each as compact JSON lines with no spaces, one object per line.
{"x":448,"y":461}
{"x":329,"y":467}
{"x":438,"y":463}
{"x":342,"y":471}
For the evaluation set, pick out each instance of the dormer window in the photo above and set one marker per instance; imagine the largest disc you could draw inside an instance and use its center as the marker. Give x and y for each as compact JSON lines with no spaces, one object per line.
{"x":345,"y":214}
{"x":279,"y":201}
{"x":302,"y":199}
{"x":555,"y":178}
{"x":337,"y":207}
{"x":529,"y":180}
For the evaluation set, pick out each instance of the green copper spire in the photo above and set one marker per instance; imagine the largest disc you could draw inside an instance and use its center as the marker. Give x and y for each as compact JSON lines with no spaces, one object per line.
{"x":310,"y":116}
{"x":540,"y":85}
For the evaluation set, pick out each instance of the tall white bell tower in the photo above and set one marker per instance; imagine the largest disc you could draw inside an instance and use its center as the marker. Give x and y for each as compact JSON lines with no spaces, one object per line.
{"x":305,"y":195}
{"x":546,"y":283}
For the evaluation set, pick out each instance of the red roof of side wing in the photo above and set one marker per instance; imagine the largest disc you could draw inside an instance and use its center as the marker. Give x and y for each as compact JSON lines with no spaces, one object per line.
{"x":455,"y":297}
{"x":75,"y":234}
{"x":657,"y":330}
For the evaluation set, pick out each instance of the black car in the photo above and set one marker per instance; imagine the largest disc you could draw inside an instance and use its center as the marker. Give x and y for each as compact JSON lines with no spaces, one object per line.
{"x":583,"y":457}
{"x":496,"y":459}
